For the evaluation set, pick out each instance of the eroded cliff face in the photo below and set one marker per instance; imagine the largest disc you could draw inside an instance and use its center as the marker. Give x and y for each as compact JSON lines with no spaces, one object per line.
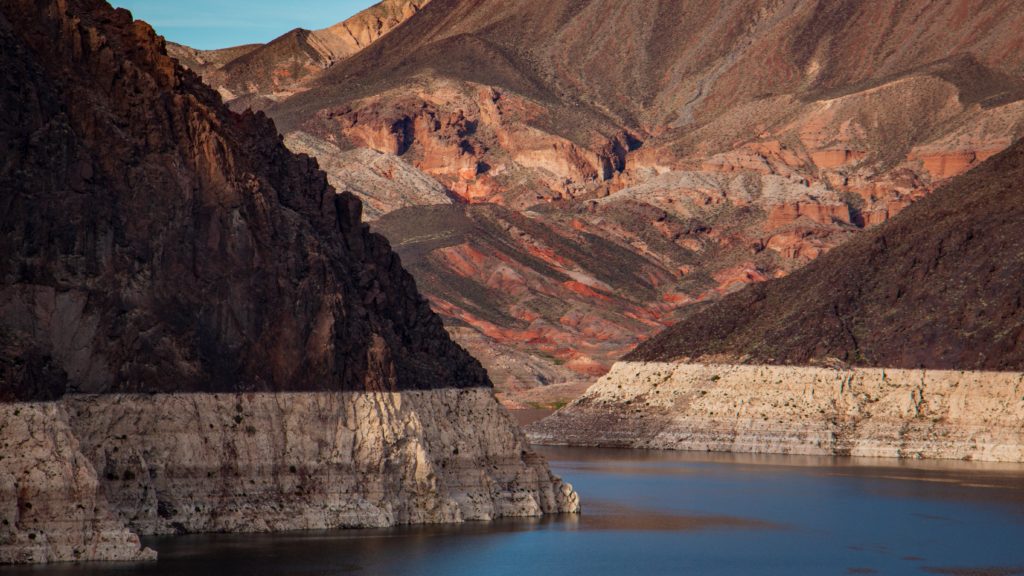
{"x":197,"y":333}
{"x":52,"y":506}
{"x":89,"y":472}
{"x":869,"y":412}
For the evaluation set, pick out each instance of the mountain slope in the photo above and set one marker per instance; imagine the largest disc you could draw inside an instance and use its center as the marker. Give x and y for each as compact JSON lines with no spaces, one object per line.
{"x":940,"y":286}
{"x":256,"y":74}
{"x":728,"y":142}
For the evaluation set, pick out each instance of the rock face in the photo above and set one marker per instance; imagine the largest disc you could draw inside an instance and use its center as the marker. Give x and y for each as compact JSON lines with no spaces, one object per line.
{"x":556,"y":304}
{"x":673,"y":138}
{"x":383,"y":182}
{"x":182,"y":247}
{"x":869,"y":412}
{"x":938,"y":287}
{"x":53,"y":506}
{"x":168,"y":264}
{"x":257,"y":462}
{"x":932,"y":300}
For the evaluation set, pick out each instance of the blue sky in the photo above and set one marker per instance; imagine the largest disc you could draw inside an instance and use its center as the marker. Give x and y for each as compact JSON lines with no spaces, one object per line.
{"x":211,"y":24}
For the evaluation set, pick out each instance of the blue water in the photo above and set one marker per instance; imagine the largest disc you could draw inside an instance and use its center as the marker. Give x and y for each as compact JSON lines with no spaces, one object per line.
{"x":675,"y":513}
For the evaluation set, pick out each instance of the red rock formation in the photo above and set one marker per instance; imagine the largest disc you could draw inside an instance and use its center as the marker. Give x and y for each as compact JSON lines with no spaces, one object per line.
{"x":675,"y":138}
{"x":939,"y":287}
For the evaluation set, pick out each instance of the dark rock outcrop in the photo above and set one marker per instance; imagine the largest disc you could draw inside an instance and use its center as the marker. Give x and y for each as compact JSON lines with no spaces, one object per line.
{"x":154,"y":241}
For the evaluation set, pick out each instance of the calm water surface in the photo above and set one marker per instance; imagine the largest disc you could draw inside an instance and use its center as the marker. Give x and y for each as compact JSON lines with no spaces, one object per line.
{"x":673,"y":513}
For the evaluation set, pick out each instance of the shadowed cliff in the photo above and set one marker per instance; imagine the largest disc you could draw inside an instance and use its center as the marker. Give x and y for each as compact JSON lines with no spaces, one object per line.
{"x":154,"y":241}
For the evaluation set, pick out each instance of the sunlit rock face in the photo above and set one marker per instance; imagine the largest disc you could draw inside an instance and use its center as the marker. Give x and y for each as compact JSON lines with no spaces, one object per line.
{"x":906,"y":341}
{"x":256,"y":75}
{"x":84,"y":475}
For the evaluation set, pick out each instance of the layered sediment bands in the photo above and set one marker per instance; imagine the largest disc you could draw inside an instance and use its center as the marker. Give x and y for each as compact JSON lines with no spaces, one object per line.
{"x":869,"y":412}
{"x":79,"y":473}
{"x":556,"y":295}
{"x":937,"y":287}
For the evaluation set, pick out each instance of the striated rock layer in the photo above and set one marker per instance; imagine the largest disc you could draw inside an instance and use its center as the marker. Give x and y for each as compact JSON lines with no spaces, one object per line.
{"x":869,"y":412}
{"x":155,"y":244}
{"x":937,"y":287}
{"x":708,"y":145}
{"x":88,"y":466}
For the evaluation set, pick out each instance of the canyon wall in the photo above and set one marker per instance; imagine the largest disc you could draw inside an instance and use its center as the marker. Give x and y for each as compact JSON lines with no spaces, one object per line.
{"x":869,"y":412}
{"x":684,"y":161}
{"x":82,"y":476}
{"x":197,"y":333}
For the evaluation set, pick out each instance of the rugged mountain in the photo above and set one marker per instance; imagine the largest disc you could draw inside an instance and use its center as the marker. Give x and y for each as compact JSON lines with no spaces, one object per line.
{"x":182,"y":247}
{"x":256,"y":75}
{"x":907,"y":341}
{"x":941,"y":286}
{"x":558,"y":295}
{"x":197,"y":333}
{"x":720,"y":143}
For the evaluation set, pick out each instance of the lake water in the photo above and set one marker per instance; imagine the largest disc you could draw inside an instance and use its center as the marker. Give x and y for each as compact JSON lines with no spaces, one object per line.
{"x":672,"y":513}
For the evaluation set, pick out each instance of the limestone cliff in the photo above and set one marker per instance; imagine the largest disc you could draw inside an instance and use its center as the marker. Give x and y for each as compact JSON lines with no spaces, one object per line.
{"x":197,"y":333}
{"x":870,"y":412}
{"x":81,"y":472}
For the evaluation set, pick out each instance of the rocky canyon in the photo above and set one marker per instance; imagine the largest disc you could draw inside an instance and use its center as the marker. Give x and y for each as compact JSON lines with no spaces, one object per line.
{"x":288,"y":285}
{"x":198,"y":333}
{"x":567,"y":179}
{"x":907,"y":341}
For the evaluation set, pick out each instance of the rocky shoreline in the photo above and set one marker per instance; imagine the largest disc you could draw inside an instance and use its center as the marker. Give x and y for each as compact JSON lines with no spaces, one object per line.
{"x":869,"y":412}
{"x":82,"y":477}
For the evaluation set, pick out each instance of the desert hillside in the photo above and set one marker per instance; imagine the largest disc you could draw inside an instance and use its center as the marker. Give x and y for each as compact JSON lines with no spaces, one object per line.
{"x":635,"y":158}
